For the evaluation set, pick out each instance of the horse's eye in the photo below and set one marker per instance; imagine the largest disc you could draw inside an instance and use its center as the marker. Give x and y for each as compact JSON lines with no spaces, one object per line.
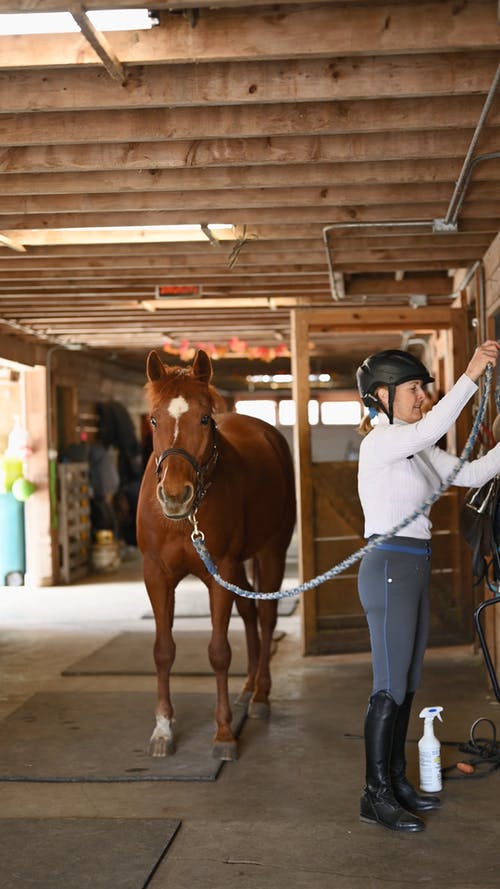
{"x":205,"y":419}
{"x":153,"y":421}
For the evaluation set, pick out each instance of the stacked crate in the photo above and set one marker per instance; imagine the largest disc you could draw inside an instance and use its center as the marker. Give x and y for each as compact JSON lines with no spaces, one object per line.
{"x":75,"y":539}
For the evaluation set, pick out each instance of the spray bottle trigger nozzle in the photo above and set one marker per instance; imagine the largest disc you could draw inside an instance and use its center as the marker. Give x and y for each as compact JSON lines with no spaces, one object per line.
{"x":431,"y":713}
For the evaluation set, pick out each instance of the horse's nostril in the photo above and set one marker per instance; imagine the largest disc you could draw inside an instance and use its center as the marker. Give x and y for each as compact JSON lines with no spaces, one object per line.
{"x":179,"y":497}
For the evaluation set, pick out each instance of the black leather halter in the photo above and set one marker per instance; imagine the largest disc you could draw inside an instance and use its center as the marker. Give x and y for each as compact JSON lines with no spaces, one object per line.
{"x":202,"y":470}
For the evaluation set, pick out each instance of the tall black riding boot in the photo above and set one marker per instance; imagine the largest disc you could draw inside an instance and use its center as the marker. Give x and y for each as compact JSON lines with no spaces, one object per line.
{"x":378,"y":804}
{"x":405,"y":794}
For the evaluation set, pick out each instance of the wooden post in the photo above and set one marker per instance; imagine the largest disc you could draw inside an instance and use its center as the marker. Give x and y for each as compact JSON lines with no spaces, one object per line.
{"x":302,"y":453}
{"x":41,"y":543}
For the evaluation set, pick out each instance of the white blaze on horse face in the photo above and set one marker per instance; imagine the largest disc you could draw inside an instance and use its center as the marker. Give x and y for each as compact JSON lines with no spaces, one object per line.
{"x":176,"y":408}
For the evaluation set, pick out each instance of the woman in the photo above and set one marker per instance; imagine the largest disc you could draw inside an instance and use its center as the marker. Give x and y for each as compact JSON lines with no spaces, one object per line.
{"x":400,"y":466}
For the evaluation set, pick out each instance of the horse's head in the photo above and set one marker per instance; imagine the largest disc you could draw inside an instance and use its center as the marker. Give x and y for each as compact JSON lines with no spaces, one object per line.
{"x":182,"y":403}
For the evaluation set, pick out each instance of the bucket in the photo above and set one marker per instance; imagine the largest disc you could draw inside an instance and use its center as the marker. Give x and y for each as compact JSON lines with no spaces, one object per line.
{"x":105,"y":557}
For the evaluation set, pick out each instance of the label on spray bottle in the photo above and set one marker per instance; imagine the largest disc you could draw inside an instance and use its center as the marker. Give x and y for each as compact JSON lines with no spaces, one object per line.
{"x":429,"y":752}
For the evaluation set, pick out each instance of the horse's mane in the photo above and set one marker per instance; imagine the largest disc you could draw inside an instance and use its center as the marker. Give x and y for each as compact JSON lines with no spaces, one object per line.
{"x":157,"y":389}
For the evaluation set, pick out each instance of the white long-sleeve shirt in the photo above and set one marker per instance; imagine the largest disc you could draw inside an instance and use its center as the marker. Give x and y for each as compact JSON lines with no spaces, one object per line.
{"x":391,"y":486}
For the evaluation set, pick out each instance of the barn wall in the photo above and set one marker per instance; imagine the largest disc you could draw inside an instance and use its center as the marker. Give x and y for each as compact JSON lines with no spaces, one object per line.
{"x":72,"y":383}
{"x":93,"y":382}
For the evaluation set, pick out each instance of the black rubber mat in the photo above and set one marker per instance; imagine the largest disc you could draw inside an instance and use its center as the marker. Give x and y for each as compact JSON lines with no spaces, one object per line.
{"x":103,"y":737}
{"x":131,"y":654}
{"x":82,"y":853}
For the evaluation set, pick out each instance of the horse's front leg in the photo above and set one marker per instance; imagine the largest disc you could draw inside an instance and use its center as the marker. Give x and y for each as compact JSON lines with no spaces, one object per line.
{"x":219,"y":653}
{"x":161,"y":590}
{"x":247,"y":610}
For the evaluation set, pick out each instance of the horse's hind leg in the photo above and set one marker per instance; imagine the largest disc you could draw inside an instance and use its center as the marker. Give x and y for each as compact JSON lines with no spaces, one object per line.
{"x":247,"y":610}
{"x":161,"y":593}
{"x":269,"y":575}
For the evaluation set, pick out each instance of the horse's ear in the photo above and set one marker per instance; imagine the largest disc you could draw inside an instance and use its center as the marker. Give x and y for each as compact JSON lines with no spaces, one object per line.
{"x":155,"y":368}
{"x":202,"y":367}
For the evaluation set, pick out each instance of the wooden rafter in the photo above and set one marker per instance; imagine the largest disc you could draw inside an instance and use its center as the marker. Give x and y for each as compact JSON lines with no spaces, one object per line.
{"x":99,"y":44}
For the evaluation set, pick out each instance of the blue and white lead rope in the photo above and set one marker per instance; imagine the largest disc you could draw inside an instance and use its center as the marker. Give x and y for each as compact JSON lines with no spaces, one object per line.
{"x":198,"y":537}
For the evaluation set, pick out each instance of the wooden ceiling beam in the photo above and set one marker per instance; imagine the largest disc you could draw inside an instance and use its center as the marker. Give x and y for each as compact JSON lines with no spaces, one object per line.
{"x":273,"y":262}
{"x":309,"y":118}
{"x":160,"y":5}
{"x":209,"y":153}
{"x":208,"y":200}
{"x":362,"y":285}
{"x":240,"y":83}
{"x":328,"y":215}
{"x":59,"y":242}
{"x":253,"y":262}
{"x":285,"y":265}
{"x":315,"y":31}
{"x":128,"y":278}
{"x":259,"y":176}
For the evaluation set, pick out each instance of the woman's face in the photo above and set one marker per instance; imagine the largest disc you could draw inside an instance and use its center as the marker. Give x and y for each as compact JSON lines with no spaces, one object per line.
{"x":408,"y":400}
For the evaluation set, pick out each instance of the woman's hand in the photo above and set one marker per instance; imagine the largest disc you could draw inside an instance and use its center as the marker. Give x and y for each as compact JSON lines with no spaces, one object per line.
{"x":486,"y":353}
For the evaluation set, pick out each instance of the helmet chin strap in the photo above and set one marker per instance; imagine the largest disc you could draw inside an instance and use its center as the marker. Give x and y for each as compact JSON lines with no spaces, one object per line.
{"x":389,"y":410}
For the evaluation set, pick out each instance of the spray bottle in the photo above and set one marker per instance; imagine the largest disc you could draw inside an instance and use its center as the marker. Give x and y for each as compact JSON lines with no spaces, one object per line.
{"x":429,"y":752}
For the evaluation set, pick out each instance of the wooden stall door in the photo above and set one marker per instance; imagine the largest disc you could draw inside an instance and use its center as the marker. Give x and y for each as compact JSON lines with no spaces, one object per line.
{"x":338,"y":532}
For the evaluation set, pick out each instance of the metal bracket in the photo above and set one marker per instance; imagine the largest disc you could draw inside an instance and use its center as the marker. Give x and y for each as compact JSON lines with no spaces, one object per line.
{"x":442,"y":227}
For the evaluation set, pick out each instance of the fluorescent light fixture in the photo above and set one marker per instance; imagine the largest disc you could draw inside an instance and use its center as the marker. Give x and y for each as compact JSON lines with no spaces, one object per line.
{"x":64,"y":23}
{"x":282,"y":379}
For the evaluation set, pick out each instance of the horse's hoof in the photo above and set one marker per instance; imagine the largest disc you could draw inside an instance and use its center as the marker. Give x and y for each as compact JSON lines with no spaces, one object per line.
{"x":258,"y":710}
{"x":161,"y":742}
{"x":243,"y":699}
{"x":225,"y":750}
{"x":161,"y":747}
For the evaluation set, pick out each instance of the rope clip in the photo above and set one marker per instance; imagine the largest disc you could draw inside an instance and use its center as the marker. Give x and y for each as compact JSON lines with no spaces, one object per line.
{"x":196,"y":534}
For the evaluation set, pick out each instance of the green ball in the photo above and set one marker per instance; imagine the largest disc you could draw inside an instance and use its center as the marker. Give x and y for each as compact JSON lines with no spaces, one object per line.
{"x":22,"y":489}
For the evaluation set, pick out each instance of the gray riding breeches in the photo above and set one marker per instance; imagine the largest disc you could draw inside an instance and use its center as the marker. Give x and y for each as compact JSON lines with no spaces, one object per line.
{"x":393,"y":584}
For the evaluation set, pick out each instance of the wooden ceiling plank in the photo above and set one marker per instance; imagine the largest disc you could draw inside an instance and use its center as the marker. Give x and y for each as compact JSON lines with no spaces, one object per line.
{"x":160,"y":5}
{"x":339,"y":196}
{"x":241,"y":121}
{"x":360,"y":285}
{"x":177,"y":304}
{"x":288,"y":32}
{"x":234,"y":83}
{"x":328,"y":215}
{"x":274,"y":264}
{"x":271,"y":260}
{"x":360,"y":147}
{"x":261,"y":238}
{"x":136,"y":279}
{"x":100,"y":182}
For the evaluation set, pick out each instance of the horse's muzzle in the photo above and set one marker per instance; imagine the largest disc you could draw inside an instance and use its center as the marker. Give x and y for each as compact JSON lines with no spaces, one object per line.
{"x":177,"y":506}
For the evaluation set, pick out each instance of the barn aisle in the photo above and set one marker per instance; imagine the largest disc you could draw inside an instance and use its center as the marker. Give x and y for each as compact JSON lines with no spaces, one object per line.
{"x":286,"y":813}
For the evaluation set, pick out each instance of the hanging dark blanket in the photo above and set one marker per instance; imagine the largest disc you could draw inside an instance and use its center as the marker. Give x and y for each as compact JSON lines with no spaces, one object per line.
{"x":480,"y":527}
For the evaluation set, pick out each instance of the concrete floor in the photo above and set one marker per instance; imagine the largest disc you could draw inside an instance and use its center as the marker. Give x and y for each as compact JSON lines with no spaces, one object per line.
{"x":285,"y":815}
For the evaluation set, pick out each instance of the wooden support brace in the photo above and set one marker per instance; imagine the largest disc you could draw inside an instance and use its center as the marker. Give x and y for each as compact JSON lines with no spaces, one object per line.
{"x":99,"y":44}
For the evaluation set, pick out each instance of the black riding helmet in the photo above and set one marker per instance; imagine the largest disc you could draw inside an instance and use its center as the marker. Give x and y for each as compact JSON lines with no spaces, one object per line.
{"x":388,"y":368}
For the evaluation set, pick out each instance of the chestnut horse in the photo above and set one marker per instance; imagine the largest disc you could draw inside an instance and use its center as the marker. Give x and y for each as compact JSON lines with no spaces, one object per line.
{"x":235,"y":476}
